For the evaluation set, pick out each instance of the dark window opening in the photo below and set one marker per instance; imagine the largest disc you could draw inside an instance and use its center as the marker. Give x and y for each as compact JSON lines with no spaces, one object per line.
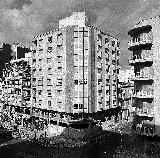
{"x":106,"y":40}
{"x":76,"y":82}
{"x":75,"y":106}
{"x":49,"y":103}
{"x":50,"y":39}
{"x":106,"y":50}
{"x":113,"y":43}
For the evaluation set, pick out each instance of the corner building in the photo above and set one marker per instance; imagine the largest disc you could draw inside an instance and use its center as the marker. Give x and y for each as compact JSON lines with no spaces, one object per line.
{"x":145,"y":45}
{"x":75,"y":69}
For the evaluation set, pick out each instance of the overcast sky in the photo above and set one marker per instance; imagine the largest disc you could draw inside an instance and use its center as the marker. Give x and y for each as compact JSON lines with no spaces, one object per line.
{"x":20,"y":20}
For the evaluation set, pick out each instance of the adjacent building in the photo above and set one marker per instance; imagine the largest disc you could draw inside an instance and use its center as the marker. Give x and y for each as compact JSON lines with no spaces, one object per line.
{"x":75,"y":68}
{"x":16,"y":86}
{"x":126,"y":88}
{"x":145,"y":45}
{"x":9,"y":52}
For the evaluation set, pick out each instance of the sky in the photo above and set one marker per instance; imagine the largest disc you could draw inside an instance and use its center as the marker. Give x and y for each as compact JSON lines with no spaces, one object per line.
{"x":21,"y":20}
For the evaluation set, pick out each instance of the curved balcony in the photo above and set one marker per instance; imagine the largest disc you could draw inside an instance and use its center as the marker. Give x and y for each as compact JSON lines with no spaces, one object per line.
{"x":137,"y":30}
{"x":139,"y":43}
{"x":140,"y":78}
{"x":136,"y":61}
{"x":145,"y":115}
{"x":143,"y":95}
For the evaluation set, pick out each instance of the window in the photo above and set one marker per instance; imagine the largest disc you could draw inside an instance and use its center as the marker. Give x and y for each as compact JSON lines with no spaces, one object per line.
{"x":59,"y":58}
{"x":40,"y":51}
{"x":59,"y":39}
{"x":99,"y":37}
{"x":76,"y":57}
{"x":40,"y":62}
{"x":49,"y":103}
{"x":59,"y":82}
{"x":59,"y":90}
{"x":48,"y":60}
{"x":40,"y":82}
{"x":113,"y":52}
{"x":49,"y":93}
{"x":80,"y":81}
{"x":39,"y":92}
{"x":40,"y":102}
{"x":99,"y":58}
{"x":99,"y":48}
{"x":76,"y":34}
{"x":80,"y":106}
{"x":48,"y":82}
{"x":34,"y":93}
{"x":113,"y":62}
{"x":113,"y":43}
{"x":99,"y":81}
{"x":107,"y":60}
{"x":49,"y":49}
{"x":35,"y":42}
{"x":106,"y":40}
{"x":75,"y":82}
{"x":34,"y":60}
{"x":49,"y":70}
{"x":85,"y":80}
{"x":75,"y":39}
{"x":59,"y":67}
{"x":106,"y":50}
{"x":118,"y":44}
{"x":59,"y":100}
{"x":75,"y":106}
{"x":50,"y":39}
{"x":34,"y":51}
{"x":85,"y":33}
{"x":99,"y":70}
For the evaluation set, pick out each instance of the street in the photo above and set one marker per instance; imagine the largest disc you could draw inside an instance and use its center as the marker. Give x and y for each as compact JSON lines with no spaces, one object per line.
{"x":121,"y":143}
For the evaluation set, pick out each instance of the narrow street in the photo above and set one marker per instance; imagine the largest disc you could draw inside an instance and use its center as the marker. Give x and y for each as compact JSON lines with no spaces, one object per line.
{"x":121,"y":143}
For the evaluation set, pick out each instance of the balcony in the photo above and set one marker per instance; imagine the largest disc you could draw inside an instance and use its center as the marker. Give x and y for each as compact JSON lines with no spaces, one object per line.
{"x":143,"y":95}
{"x":136,"y":30}
{"x":142,"y":78}
{"x":145,"y":60}
{"x":145,"y":115}
{"x":145,"y":40}
{"x":137,"y":44}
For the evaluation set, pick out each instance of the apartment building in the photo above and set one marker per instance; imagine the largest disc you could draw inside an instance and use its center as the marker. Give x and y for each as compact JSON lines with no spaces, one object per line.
{"x":75,"y":68}
{"x":16,"y":87}
{"x":145,"y":45}
{"x":9,"y":52}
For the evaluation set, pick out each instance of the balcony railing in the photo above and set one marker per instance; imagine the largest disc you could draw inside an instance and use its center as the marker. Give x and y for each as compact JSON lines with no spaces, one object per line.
{"x":145,"y":114}
{"x":136,"y":43}
{"x":143,"y":94}
{"x":134,"y":61}
{"x":142,"y":78}
{"x":146,"y":39}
